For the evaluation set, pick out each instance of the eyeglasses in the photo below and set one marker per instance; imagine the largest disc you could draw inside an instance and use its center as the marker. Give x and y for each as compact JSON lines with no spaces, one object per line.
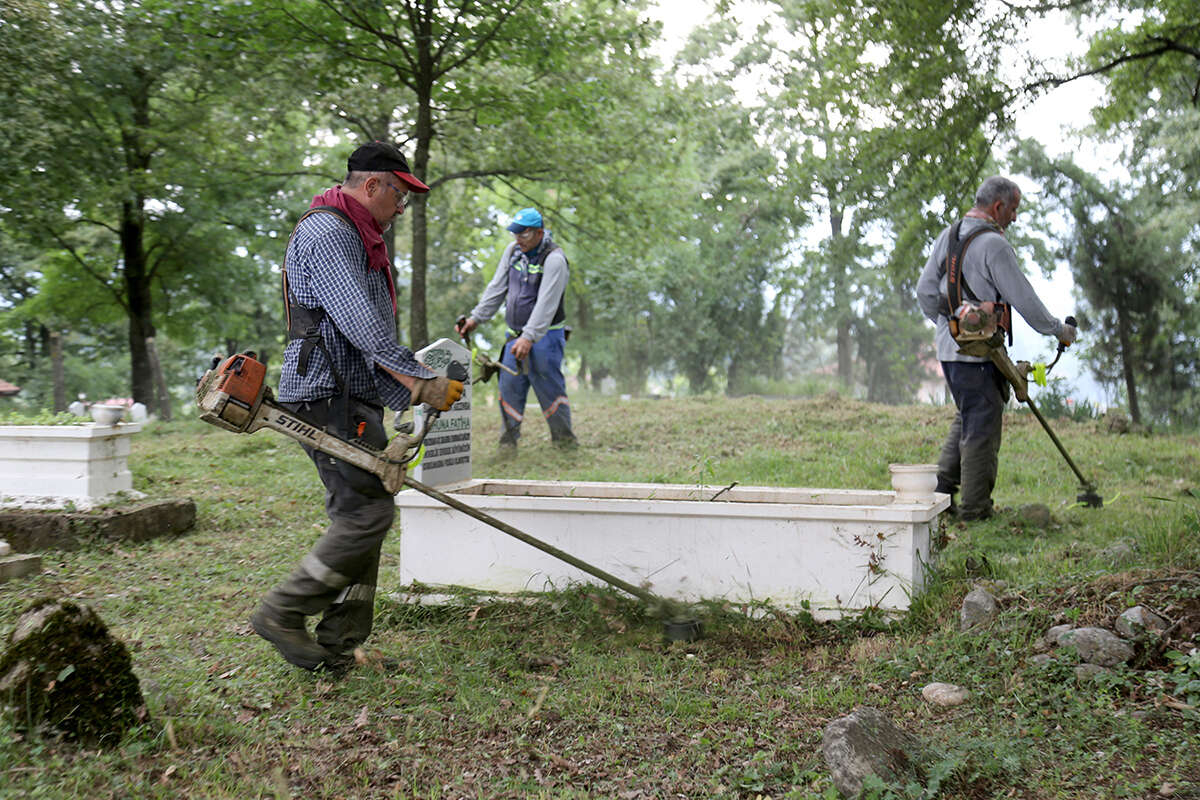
{"x":403,"y":197}
{"x":525,"y":234}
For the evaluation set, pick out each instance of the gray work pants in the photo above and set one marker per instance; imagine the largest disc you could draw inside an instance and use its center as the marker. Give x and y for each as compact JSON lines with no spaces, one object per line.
{"x":970,"y":457}
{"x":337,"y":577}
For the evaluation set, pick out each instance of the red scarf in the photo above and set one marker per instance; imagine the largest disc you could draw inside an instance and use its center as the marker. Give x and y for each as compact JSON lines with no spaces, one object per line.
{"x":368,"y":230}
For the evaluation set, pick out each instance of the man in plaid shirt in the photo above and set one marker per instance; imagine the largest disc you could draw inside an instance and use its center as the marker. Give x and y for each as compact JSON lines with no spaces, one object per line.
{"x":341,"y":366}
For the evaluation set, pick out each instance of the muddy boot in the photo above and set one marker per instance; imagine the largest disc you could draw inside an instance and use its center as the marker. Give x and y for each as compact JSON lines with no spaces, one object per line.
{"x":285,"y":630}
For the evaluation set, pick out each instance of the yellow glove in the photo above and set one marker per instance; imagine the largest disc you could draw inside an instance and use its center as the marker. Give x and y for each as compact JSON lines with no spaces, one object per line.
{"x":441,"y":393}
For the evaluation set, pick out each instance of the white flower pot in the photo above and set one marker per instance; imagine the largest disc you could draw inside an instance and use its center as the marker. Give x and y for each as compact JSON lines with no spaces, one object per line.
{"x":107,"y":415}
{"x":914,"y":483}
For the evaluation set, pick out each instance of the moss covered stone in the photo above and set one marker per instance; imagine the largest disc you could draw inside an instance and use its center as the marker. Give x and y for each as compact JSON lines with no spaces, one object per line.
{"x":63,"y":672}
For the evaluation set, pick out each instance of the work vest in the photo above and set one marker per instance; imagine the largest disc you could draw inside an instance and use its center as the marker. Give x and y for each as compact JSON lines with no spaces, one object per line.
{"x":524,"y":282}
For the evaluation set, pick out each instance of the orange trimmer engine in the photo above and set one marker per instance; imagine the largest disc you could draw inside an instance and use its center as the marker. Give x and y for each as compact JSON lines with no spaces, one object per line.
{"x":230,"y":394}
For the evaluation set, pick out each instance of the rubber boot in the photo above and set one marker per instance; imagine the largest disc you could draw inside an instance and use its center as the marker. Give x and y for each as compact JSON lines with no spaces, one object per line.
{"x":285,"y":630}
{"x":980,"y":463}
{"x":280,"y":618}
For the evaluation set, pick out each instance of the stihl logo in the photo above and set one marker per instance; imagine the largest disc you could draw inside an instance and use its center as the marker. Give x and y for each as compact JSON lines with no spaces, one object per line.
{"x":293,"y":424}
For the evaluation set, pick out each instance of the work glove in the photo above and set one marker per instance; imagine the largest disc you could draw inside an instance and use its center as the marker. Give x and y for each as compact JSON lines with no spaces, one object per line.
{"x":441,"y":393}
{"x":1067,"y":337}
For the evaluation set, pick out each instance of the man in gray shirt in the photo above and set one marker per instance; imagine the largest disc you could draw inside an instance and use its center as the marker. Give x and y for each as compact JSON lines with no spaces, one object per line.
{"x":530,"y":281}
{"x":970,"y":457}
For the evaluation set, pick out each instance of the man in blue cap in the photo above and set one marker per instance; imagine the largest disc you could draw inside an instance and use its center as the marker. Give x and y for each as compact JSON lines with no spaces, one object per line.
{"x":530,"y":280}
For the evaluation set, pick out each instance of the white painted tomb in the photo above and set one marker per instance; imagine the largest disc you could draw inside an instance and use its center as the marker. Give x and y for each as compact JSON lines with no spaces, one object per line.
{"x":830,"y":550}
{"x":56,"y":466}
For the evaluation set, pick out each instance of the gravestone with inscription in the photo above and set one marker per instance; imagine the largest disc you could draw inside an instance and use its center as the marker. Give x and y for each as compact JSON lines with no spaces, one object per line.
{"x":447,"y":457}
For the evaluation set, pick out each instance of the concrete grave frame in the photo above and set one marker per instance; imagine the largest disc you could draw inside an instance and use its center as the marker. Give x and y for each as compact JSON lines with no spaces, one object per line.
{"x":64,"y":466}
{"x":835,"y":551}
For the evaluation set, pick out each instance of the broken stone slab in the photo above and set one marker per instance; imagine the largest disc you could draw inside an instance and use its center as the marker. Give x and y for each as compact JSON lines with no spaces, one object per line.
{"x":17,"y":565}
{"x":1138,"y":621}
{"x":63,"y":672}
{"x":1097,"y":646}
{"x":865,"y":742}
{"x":31,"y":531}
{"x":978,"y":608}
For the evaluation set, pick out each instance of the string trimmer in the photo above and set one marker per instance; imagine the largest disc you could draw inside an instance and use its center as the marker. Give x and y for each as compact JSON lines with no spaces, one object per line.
{"x":233,"y":395}
{"x":1018,"y":375}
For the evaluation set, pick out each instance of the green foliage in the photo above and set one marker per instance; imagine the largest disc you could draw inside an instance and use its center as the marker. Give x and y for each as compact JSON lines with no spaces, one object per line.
{"x":1185,"y":673}
{"x":1056,"y":401}
{"x":1137,"y":271}
{"x":42,"y":417}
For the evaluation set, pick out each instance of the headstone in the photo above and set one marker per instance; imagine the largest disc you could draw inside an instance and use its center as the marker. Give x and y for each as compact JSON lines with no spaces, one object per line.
{"x":447,"y":456}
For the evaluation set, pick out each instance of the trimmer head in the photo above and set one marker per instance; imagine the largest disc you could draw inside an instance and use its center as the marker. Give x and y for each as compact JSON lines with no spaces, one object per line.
{"x":682,"y":629}
{"x":1089,"y":498}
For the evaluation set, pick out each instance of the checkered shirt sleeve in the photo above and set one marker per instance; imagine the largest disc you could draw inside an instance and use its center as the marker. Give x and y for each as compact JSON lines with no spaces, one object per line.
{"x":327,"y":267}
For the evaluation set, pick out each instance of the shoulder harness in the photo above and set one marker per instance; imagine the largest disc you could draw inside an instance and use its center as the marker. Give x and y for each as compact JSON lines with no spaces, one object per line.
{"x":956,"y":281}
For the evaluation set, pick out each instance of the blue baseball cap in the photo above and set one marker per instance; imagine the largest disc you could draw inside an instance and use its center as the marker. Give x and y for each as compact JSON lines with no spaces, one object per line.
{"x":525,"y":218}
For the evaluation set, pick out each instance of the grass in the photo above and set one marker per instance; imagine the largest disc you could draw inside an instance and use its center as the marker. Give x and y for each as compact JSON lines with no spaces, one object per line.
{"x":574,"y":694}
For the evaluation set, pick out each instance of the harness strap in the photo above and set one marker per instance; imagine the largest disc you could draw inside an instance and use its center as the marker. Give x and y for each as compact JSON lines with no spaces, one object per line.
{"x":956,"y":281}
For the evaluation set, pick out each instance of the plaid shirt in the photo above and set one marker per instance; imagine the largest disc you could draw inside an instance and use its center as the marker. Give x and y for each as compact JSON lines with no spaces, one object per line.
{"x":326,"y":267}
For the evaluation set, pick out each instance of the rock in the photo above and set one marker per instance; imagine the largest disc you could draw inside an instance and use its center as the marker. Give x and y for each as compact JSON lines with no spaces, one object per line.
{"x":1116,"y":423}
{"x":1097,"y":646}
{"x":1052,"y":635}
{"x":1035,"y":515}
{"x":978,"y":608}
{"x":137,"y":412}
{"x":5,"y":548}
{"x":1088,"y":672}
{"x":866,"y":742}
{"x":1119,"y":552}
{"x":1138,"y":621}
{"x":63,"y":671}
{"x":1041,"y":659}
{"x":945,"y":694}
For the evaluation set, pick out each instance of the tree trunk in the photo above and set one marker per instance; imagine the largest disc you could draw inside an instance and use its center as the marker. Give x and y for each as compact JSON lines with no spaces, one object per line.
{"x":160,"y":383}
{"x":135,"y":268}
{"x":418,"y":325}
{"x":1127,"y":357}
{"x":56,"y":372}
{"x":839,"y":271}
{"x":137,"y":290}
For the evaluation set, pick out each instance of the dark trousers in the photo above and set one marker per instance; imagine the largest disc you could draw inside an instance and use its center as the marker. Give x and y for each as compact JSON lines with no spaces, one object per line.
{"x":337,"y":577}
{"x":970,"y":457}
{"x":545,"y":375}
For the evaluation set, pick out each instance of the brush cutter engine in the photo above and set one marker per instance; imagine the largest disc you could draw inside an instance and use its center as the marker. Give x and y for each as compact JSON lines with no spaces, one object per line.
{"x":233,"y":395}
